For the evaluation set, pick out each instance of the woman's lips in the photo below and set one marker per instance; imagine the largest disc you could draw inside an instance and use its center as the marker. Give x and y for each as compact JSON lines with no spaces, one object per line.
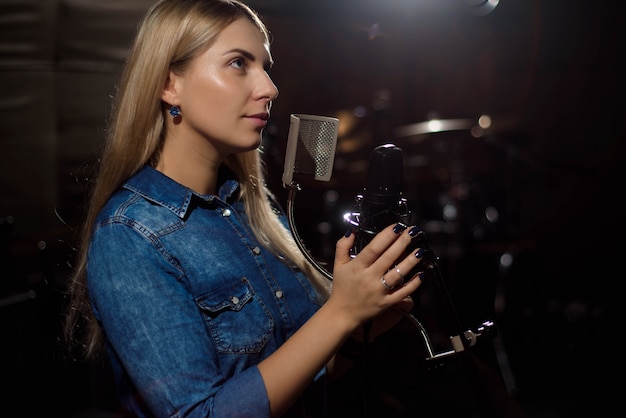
{"x":259,"y":119}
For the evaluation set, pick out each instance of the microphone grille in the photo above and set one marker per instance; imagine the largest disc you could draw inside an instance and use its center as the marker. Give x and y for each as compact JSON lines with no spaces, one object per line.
{"x":310,"y":147}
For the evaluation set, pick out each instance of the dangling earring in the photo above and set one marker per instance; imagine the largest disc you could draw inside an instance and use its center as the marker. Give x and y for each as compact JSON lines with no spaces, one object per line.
{"x":175,"y":111}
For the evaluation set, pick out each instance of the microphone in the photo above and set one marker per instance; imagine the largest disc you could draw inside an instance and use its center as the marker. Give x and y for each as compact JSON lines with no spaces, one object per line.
{"x":310,"y":154}
{"x":382,"y":201}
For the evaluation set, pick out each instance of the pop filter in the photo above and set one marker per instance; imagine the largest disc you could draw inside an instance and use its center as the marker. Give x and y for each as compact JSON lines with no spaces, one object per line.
{"x":310,"y":154}
{"x":310,"y":147}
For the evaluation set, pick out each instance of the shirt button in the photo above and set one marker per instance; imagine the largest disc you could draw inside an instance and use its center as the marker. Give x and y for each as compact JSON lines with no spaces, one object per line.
{"x":234,"y":300}
{"x":226,"y":212}
{"x":256,"y":250}
{"x":279,"y":294}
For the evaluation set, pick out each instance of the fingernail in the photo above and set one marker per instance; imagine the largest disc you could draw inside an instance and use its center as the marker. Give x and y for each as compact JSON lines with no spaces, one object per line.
{"x":414,"y":231}
{"x":399,"y":228}
{"x":348,"y":233}
{"x":420,"y":253}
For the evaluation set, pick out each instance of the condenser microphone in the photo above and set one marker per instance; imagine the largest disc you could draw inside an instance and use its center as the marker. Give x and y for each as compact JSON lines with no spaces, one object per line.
{"x":382,"y":201}
{"x":310,"y":154}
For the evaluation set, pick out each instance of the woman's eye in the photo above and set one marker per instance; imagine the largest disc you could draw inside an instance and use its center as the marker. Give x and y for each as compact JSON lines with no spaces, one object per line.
{"x":238,"y":63}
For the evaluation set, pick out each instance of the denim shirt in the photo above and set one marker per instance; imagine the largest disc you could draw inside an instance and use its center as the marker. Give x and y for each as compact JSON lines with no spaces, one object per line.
{"x":190,"y":302}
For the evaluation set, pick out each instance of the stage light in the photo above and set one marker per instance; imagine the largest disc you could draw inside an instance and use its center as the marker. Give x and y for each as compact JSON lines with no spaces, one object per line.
{"x":480,"y":7}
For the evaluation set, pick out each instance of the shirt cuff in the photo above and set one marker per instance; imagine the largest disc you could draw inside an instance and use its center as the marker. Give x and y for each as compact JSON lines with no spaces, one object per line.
{"x":243,"y":395}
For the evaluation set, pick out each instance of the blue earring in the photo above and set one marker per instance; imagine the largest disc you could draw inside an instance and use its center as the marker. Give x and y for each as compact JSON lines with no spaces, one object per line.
{"x":175,"y":111}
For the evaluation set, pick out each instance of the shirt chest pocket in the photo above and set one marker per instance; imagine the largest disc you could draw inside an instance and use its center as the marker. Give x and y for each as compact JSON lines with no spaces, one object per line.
{"x":237,"y":321}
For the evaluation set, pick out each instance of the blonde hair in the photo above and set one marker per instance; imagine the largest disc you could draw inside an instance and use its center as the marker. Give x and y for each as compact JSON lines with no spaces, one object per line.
{"x":171,"y":33}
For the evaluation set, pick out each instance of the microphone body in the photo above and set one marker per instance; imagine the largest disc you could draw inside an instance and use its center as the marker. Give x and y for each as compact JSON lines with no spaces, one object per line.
{"x":382,"y":203}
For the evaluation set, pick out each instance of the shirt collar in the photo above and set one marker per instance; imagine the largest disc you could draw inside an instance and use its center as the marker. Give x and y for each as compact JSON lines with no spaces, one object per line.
{"x":162,"y":190}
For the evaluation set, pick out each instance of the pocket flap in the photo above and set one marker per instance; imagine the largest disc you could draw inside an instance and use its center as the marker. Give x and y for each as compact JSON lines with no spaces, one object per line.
{"x":232,"y":297}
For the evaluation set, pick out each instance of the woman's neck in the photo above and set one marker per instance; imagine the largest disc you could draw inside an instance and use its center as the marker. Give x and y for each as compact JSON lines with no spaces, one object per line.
{"x":192,"y":166}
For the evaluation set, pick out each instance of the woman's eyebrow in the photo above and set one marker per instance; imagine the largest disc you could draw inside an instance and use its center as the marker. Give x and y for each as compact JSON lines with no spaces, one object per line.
{"x":248,"y":55}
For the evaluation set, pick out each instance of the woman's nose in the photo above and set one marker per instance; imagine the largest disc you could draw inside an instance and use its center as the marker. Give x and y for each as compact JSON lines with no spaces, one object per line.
{"x":268,"y":88}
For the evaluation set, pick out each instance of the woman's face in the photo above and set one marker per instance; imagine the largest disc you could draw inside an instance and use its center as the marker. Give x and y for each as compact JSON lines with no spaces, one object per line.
{"x":225,"y":95}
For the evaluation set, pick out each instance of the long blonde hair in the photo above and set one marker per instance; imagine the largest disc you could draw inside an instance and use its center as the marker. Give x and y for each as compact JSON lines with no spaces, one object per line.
{"x":171,"y":33}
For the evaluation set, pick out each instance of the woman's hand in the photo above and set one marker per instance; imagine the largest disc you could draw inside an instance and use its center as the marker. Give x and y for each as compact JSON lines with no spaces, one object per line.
{"x":359,"y":295}
{"x":371,"y":283}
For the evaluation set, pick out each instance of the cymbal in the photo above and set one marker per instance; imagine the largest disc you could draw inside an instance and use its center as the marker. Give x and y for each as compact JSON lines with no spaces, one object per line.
{"x":433,"y":126}
{"x":484,"y":125}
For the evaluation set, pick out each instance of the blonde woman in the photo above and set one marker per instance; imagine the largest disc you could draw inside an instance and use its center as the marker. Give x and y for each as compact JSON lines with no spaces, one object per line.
{"x":188,"y":275}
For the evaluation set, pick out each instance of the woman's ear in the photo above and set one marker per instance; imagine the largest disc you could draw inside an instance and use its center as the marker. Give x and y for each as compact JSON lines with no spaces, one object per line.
{"x":170,"y":92}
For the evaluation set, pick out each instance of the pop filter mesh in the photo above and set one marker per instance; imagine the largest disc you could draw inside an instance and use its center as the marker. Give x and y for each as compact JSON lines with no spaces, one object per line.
{"x":310,"y":147}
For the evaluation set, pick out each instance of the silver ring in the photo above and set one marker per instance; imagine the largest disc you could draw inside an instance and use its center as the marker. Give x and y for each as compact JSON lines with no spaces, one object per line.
{"x":400,"y":274}
{"x":382,"y":279}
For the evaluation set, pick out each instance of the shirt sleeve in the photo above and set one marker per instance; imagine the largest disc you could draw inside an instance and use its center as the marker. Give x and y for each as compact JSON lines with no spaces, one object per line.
{"x":158,"y":335}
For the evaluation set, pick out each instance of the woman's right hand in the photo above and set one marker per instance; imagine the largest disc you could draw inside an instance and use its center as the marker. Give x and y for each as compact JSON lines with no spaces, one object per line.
{"x":358,"y":295}
{"x":372,"y":282}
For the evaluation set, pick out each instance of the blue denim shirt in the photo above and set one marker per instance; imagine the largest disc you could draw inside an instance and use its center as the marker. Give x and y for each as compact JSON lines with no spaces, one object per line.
{"x":190,"y":302}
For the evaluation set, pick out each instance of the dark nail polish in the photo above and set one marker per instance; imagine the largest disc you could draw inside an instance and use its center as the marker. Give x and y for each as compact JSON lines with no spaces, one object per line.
{"x":414,"y":231}
{"x":420,"y":253}
{"x":348,"y":233}
{"x":399,"y":228}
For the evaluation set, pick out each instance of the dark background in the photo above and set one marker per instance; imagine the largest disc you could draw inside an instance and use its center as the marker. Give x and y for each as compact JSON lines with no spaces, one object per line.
{"x":550,"y":76}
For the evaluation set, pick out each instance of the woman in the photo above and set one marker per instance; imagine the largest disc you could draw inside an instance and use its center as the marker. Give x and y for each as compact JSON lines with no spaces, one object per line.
{"x":188,"y":274}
